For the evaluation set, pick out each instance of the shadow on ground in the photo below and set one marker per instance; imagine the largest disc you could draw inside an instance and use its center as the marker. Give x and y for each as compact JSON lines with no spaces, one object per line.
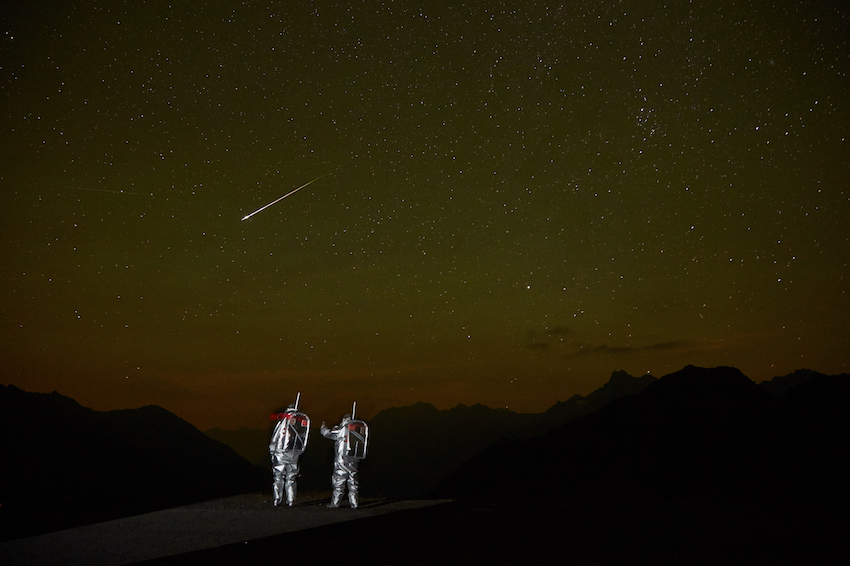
{"x":461,"y":533}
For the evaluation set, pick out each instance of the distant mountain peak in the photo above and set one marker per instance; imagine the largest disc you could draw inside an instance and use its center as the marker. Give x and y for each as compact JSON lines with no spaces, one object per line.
{"x":622,"y":383}
{"x":718,"y":384}
{"x":779,"y":385}
{"x":713,"y":375}
{"x":620,"y":375}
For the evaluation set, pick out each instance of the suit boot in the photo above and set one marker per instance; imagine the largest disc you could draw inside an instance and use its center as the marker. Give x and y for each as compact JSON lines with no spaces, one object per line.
{"x":335,"y":499}
{"x":290,"y":494}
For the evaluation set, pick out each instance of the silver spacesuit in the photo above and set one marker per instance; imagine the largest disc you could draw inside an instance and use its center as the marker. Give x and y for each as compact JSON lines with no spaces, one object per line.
{"x":350,"y":437}
{"x":289,"y":441}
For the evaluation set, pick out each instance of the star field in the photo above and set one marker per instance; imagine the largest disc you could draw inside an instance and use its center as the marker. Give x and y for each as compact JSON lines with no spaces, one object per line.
{"x":516,"y":200}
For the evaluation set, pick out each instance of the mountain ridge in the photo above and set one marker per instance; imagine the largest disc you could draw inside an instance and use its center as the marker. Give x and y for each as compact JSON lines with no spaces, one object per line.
{"x":397,"y":467}
{"x":446,"y":438}
{"x":699,"y":434}
{"x":74,"y":465}
{"x":66,"y":464}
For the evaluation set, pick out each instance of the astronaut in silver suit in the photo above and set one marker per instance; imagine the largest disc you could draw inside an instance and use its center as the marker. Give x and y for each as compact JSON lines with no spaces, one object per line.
{"x":345,"y":464}
{"x":285,"y":466}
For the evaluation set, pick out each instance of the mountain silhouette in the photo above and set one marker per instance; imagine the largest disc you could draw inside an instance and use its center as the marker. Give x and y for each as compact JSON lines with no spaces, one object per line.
{"x":621,"y":384}
{"x":414,"y":448}
{"x":250,"y":443}
{"x":696,"y":435}
{"x":65,"y":464}
{"x":779,"y":386}
{"x":253,"y":444}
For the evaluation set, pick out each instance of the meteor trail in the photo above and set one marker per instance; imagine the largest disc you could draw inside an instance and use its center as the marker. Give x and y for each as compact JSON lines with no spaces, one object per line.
{"x":246,"y":217}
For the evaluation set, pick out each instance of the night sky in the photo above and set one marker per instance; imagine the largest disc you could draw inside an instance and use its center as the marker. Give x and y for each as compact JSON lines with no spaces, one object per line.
{"x":511,"y":200}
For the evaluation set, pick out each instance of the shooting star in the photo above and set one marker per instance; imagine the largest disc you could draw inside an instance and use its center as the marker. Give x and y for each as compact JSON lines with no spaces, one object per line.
{"x":246,"y":217}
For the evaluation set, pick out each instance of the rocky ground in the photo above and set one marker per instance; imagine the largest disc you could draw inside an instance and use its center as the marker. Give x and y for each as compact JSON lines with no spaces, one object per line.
{"x":187,"y":529}
{"x":461,"y":533}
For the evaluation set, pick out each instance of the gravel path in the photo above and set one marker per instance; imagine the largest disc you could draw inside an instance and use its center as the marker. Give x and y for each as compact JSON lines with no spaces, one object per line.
{"x":184,"y":529}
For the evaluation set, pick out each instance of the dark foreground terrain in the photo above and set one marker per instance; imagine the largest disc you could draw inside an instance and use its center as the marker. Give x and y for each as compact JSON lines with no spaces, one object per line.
{"x":247,"y":529}
{"x":701,"y":466}
{"x":459,"y":533}
{"x":186,"y":529}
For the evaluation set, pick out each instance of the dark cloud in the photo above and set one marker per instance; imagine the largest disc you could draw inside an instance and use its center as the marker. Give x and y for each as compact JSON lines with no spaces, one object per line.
{"x":677,"y":345}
